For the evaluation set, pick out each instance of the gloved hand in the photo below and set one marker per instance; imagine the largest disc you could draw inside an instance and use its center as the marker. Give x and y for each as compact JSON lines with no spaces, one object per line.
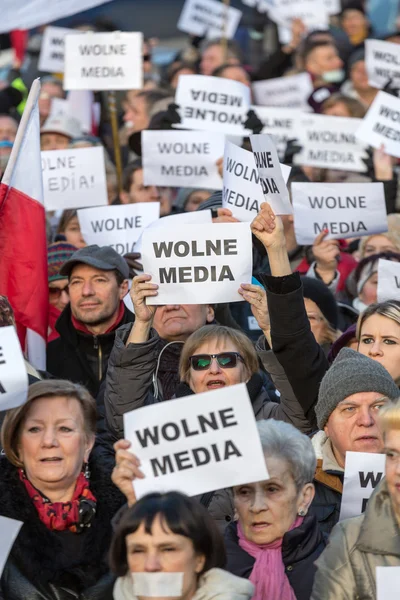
{"x":292,"y":147}
{"x":253,"y":122}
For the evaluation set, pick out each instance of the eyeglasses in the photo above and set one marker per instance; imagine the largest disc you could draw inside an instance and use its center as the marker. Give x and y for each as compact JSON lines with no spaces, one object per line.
{"x":226,"y":360}
{"x":55,"y":292}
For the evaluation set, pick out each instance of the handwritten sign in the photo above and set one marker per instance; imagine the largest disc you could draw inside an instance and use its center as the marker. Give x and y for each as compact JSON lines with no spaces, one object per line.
{"x":382,"y":60}
{"x":182,"y":158}
{"x":103,"y":61}
{"x":13,"y":375}
{"x":381,"y":124}
{"x":346,"y":210}
{"x":212,"y":104}
{"x":209,"y":18}
{"x":363,"y":472}
{"x":117,"y":226}
{"x":197,"y":444}
{"x":198,"y":264}
{"x":284,"y":92}
{"x":281,"y":123}
{"x":74,"y":178}
{"x":388,"y":280}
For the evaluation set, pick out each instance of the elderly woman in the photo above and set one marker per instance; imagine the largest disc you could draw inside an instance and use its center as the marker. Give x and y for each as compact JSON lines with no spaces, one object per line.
{"x":274,"y":542}
{"x":171,"y":533}
{"x":65,"y":500}
{"x":347,"y":568}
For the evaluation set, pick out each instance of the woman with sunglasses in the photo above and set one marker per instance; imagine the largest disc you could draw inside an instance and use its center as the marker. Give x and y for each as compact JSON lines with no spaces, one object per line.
{"x":57,"y":254}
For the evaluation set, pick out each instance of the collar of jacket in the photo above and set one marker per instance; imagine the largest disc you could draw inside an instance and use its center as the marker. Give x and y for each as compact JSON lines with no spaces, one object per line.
{"x":380,"y":531}
{"x":69,"y":332}
{"x":254,"y":387}
{"x":79,"y":326}
{"x":328,"y":472}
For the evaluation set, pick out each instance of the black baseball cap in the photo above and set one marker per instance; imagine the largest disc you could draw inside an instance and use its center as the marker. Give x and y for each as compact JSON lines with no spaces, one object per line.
{"x":99,"y":257}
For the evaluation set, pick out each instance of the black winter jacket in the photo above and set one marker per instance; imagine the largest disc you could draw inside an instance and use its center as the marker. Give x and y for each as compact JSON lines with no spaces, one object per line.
{"x":300,"y":549}
{"x":57,"y":565}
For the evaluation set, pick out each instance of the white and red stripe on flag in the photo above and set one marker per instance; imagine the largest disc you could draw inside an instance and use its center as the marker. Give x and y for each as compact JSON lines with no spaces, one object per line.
{"x":23,"y":247}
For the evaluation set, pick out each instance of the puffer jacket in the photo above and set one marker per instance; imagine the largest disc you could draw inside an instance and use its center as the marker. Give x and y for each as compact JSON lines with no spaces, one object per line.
{"x":347,"y":568}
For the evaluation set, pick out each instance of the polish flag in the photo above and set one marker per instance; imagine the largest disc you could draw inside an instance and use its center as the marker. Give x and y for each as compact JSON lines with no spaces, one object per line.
{"x":23,"y":244}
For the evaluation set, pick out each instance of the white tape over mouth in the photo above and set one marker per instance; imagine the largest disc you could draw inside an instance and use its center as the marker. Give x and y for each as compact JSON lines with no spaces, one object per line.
{"x":158,"y":585}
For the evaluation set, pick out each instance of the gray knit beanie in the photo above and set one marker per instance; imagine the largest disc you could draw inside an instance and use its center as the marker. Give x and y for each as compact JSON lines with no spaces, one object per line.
{"x":350,"y":373}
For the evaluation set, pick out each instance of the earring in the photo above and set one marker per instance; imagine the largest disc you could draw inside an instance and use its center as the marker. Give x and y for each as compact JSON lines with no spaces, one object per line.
{"x":86,"y":470}
{"x":302,"y":512}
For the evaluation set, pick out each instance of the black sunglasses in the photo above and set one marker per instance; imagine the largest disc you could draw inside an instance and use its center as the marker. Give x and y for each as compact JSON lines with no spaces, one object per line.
{"x":226,"y":360}
{"x":56,"y":292}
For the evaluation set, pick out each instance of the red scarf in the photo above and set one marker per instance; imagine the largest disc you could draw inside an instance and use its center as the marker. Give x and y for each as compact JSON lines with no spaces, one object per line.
{"x":62,"y":516}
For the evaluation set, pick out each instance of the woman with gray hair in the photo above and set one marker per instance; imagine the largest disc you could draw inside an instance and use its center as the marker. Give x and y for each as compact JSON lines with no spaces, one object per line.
{"x":273,"y":542}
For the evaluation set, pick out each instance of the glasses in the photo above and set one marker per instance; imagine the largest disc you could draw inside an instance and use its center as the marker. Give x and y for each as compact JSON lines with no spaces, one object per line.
{"x":226,"y":360}
{"x":56,"y":292}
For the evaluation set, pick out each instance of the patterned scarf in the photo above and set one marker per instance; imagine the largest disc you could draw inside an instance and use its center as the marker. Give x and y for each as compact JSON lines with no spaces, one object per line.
{"x":61,"y":516}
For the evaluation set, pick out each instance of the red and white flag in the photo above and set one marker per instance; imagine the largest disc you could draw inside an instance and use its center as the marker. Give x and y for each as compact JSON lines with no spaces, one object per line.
{"x":23,"y":245}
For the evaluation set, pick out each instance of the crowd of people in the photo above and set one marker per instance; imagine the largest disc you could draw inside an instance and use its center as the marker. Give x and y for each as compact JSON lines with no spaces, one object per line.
{"x":318,"y":356}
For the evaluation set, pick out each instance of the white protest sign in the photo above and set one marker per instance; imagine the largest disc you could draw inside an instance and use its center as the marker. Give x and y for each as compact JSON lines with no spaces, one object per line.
{"x":103,"y":61}
{"x":363,"y":472}
{"x":182,"y":158}
{"x":313,"y":13}
{"x":197,"y":444}
{"x":346,"y":210}
{"x":209,"y":18}
{"x":74,"y":178}
{"x":9,"y":529}
{"x":284,"y":92}
{"x":13,"y":375}
{"x":212,"y":104}
{"x":272,"y":182}
{"x":281,"y":123}
{"x":242,"y":191}
{"x":117,"y":226}
{"x":333,"y":7}
{"x":387,"y":583}
{"x":59,"y":106}
{"x":388,"y":280}
{"x":330,"y":143}
{"x":52,"y":49}
{"x":198,"y":264}
{"x":382,"y":60}
{"x":381,"y":124}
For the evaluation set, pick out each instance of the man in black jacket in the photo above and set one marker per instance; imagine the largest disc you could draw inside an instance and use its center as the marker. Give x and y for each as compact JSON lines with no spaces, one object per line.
{"x":98,"y":282}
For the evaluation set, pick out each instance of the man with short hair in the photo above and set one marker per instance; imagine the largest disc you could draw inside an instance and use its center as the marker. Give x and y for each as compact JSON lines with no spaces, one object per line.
{"x":98,"y":282}
{"x":323,"y":63}
{"x":213,"y":55}
{"x":134,"y":190}
{"x":140,"y":107}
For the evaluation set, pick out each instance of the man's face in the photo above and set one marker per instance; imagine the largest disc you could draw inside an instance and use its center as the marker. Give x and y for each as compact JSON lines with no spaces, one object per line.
{"x":175,"y":322}
{"x":136,"y":116}
{"x":322,"y":60}
{"x":138,"y":192}
{"x":47,"y":93}
{"x":95,"y":296}
{"x":54,"y":141}
{"x":8,"y":129}
{"x":352,"y":426}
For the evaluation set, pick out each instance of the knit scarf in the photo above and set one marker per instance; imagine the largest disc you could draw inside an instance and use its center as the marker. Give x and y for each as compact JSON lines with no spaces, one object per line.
{"x":268,"y":574}
{"x":61,"y":516}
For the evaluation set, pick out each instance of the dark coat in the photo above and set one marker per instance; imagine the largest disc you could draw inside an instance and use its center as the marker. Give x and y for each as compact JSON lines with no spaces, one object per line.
{"x":80,"y":357}
{"x":53,"y":565}
{"x":300,"y":549}
{"x":328,"y":498}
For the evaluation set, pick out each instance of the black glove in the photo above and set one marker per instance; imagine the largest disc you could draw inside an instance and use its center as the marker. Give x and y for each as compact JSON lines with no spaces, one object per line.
{"x":369,"y":163}
{"x":391,"y":89}
{"x":292,"y":147}
{"x":253,"y":122}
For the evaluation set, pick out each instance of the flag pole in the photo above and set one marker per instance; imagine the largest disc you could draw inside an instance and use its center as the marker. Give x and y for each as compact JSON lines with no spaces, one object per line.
{"x":112,"y":107}
{"x":224,"y":39}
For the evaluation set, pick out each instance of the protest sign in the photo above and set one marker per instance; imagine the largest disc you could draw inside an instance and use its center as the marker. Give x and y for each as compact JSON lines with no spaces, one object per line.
{"x":382,"y":61}
{"x":74,"y":178}
{"x":330,"y":143}
{"x":52,"y":49}
{"x":387,"y":583}
{"x":212,"y":104}
{"x":281,"y":123}
{"x":13,"y":375}
{"x":103,"y":61}
{"x":363,"y":472}
{"x":388,"y":280}
{"x":182,"y":158}
{"x":381,"y":124}
{"x":284,"y":92}
{"x":9,"y":529}
{"x":117,"y":226}
{"x":197,"y":444}
{"x":198,"y":264}
{"x":313,"y":13}
{"x":346,"y":210}
{"x":242,"y":191}
{"x":209,"y":18}
{"x":272,"y":182}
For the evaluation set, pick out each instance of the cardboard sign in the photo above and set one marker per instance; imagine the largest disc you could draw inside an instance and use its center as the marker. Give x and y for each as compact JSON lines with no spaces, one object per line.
{"x":197,"y":444}
{"x":212,"y":104}
{"x":363,"y":472}
{"x":346,"y":210}
{"x":284,"y":92}
{"x":13,"y":375}
{"x":103,"y":61}
{"x":381,"y":124}
{"x":272,"y":182}
{"x":182,"y":158}
{"x":281,"y":123}
{"x":330,"y":143}
{"x":74,"y":178}
{"x":382,"y":60}
{"x":387,"y":583}
{"x":117,"y":226}
{"x":52,"y":49}
{"x":388,"y":280}
{"x":209,"y":18}
{"x":198,"y":264}
{"x":9,"y":529}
